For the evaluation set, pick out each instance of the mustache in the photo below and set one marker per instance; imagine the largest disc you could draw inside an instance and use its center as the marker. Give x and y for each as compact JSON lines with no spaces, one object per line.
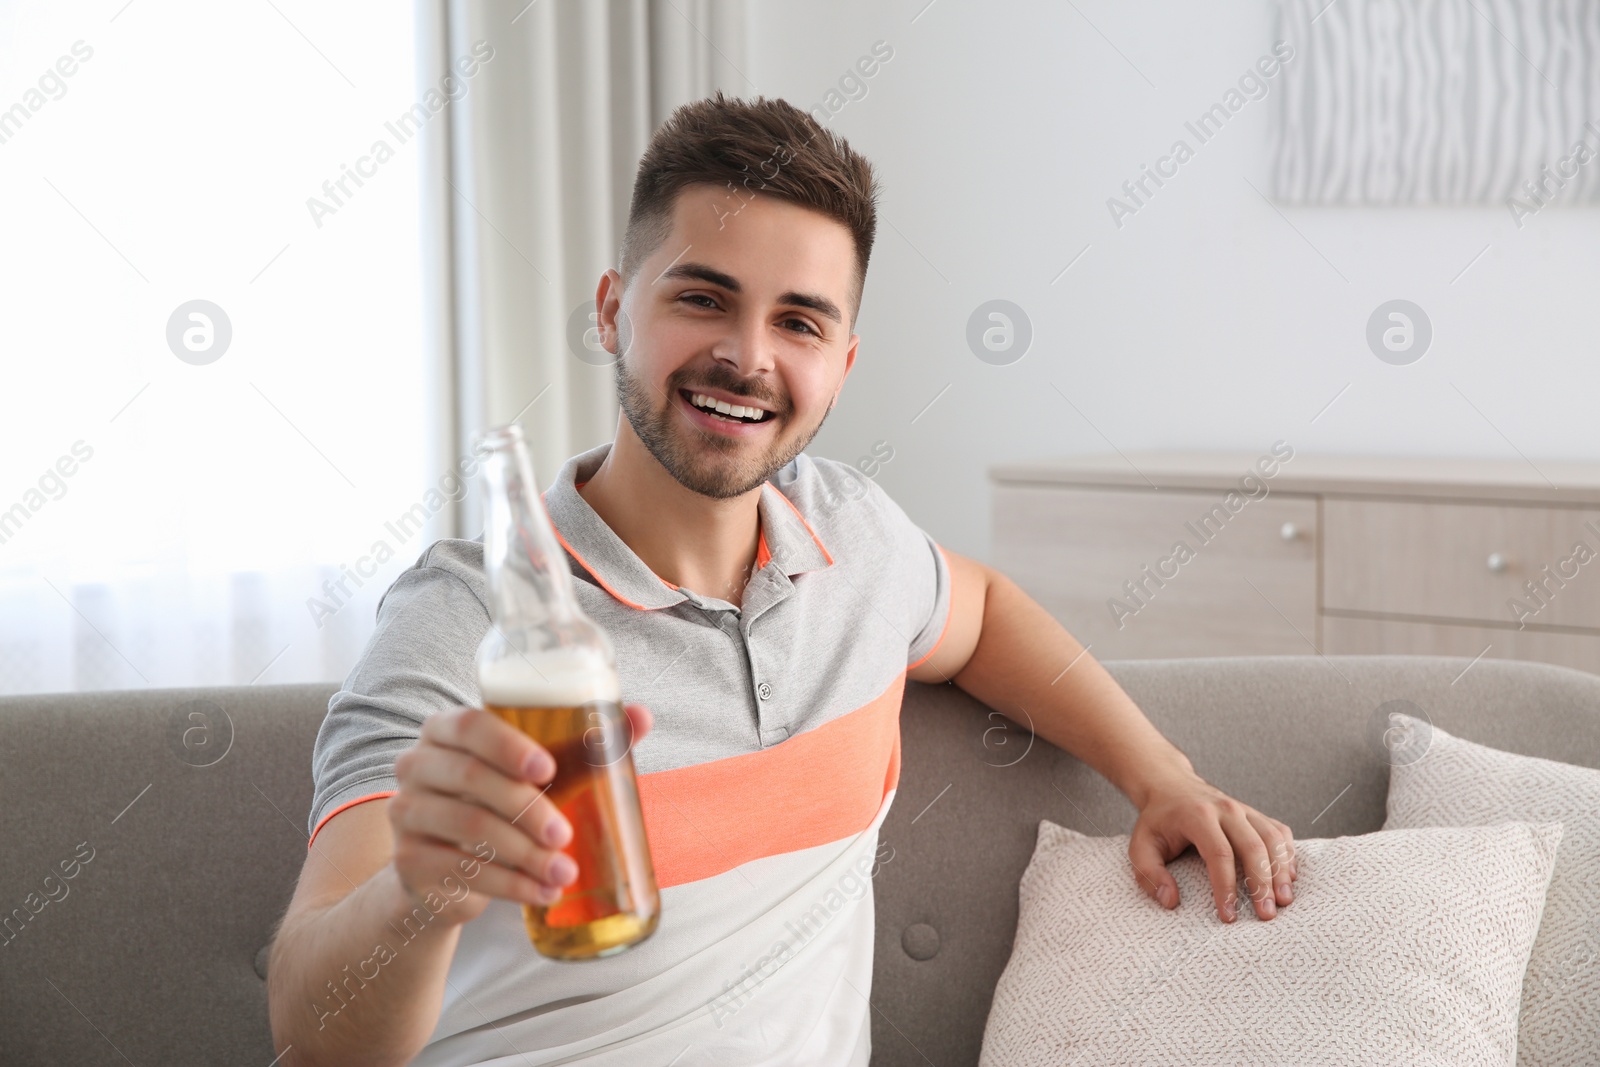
{"x":719,"y":377}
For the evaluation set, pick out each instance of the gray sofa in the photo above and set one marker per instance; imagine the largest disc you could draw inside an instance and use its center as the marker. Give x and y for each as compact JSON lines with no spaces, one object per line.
{"x":154,"y":955}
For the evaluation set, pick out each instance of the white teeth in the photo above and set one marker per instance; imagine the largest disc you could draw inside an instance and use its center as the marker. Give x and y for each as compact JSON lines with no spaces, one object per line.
{"x":737,"y":411}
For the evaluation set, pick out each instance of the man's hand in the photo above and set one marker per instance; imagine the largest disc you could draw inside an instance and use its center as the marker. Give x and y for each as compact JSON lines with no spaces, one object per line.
{"x":1006,"y":650}
{"x":473,"y":780}
{"x":1184,"y":809}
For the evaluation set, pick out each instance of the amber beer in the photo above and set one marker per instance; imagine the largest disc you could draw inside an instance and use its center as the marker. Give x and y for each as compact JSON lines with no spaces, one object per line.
{"x":547,"y":669}
{"x":614,"y":902}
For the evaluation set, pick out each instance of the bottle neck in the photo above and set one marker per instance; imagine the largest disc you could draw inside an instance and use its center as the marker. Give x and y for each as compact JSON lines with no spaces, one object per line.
{"x":529,"y":581}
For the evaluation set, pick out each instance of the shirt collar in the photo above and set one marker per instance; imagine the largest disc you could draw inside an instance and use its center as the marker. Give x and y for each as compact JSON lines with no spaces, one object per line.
{"x":793,"y":545}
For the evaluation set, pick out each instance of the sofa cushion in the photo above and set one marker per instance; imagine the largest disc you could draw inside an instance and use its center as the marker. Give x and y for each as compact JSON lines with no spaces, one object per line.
{"x":1285,"y":734}
{"x":1447,"y":781}
{"x":1406,"y":946}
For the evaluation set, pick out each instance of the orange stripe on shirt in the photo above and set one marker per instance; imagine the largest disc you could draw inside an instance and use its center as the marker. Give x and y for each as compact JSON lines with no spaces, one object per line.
{"x":814,"y":788}
{"x":769,"y":797}
{"x":347,"y":804}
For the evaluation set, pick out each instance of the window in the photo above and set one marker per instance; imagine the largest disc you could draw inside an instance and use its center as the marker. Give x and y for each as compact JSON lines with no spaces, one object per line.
{"x":219,"y":492}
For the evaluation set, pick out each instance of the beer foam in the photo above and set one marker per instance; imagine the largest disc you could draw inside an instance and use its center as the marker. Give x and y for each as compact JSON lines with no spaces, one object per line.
{"x":551,"y":679}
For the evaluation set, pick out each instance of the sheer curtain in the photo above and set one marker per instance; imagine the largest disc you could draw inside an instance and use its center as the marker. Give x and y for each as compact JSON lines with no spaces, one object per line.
{"x":543,"y":160}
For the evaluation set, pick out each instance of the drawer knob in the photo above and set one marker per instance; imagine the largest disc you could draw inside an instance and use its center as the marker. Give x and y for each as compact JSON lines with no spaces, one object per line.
{"x":1289,"y":531}
{"x":1497,"y":563}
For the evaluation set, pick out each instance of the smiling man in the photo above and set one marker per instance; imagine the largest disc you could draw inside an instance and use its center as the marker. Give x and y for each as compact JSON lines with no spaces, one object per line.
{"x":769,"y":607}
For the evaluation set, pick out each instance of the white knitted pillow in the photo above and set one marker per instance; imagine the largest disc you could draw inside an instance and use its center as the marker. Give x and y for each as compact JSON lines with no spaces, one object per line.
{"x":1457,"y":783}
{"x":1405,"y":947}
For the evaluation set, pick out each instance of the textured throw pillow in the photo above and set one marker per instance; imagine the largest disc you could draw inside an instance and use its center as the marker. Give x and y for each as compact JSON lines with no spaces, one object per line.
{"x":1457,"y":783}
{"x":1404,"y":947}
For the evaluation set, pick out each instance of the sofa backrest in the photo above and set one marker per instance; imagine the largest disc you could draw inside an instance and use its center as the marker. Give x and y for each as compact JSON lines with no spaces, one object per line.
{"x":194,"y":803}
{"x":1291,"y":736}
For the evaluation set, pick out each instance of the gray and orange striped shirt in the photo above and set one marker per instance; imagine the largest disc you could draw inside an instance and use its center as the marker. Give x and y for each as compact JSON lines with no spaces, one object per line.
{"x":772,"y":762}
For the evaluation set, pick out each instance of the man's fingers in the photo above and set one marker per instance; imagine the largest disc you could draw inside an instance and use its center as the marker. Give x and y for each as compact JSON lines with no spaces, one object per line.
{"x":642,"y":720}
{"x":492,"y":740}
{"x":1213,"y":846}
{"x":1254,"y":857}
{"x":1150,"y":868}
{"x":459,"y":774}
{"x":454,"y":822}
{"x":490,"y":879}
{"x":1279,"y":840}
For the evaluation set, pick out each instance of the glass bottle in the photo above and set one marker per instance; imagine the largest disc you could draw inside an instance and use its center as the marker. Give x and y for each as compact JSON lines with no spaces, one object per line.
{"x":546,"y":669}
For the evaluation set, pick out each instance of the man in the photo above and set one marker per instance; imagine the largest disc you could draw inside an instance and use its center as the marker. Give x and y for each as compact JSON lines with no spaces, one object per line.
{"x":769,"y":607}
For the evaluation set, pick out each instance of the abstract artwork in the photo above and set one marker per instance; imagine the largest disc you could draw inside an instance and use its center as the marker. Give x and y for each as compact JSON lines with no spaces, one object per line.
{"x":1411,"y":102}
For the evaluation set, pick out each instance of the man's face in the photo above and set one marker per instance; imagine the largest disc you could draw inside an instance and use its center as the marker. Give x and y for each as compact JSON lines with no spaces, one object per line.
{"x":745,"y":304}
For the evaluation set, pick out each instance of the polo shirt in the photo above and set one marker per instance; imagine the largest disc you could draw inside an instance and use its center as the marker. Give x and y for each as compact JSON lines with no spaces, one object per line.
{"x":773,"y":759}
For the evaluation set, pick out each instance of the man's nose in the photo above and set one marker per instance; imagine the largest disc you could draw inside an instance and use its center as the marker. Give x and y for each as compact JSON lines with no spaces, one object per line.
{"x":747,"y":348}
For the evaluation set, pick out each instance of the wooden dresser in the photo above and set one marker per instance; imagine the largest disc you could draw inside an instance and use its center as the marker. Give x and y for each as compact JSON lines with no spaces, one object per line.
{"x":1200,"y":554}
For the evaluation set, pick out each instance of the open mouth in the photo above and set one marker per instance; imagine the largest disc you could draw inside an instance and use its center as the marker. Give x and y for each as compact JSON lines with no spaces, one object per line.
{"x":721,"y":409}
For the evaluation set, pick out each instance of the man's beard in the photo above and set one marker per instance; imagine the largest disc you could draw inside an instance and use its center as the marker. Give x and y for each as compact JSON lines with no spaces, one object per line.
{"x":681,"y":447}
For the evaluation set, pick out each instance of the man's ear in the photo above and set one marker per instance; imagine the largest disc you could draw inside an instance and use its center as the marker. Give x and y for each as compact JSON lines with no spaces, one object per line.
{"x":608,"y":309}
{"x":849,"y":361}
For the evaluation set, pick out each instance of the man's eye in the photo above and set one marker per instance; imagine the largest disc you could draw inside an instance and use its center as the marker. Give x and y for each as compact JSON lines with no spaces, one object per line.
{"x":709,"y":303}
{"x":805,"y":327}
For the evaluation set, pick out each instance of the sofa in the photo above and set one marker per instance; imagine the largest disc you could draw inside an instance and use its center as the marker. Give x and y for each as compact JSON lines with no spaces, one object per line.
{"x":191,"y":806}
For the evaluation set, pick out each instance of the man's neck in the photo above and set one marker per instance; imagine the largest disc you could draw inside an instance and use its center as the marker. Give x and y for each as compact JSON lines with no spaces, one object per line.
{"x":691,"y":540}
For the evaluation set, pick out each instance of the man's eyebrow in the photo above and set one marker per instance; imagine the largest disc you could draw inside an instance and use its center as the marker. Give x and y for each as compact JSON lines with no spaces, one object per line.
{"x":703,"y":273}
{"x":699,"y":271}
{"x":820,"y":304}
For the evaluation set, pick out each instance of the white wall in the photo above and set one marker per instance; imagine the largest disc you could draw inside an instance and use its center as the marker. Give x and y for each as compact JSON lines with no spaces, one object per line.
{"x":1206,"y":321}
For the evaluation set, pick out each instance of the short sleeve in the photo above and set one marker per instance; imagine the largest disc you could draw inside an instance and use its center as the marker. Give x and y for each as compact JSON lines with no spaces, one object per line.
{"x":930,"y":579}
{"x":421,"y":659}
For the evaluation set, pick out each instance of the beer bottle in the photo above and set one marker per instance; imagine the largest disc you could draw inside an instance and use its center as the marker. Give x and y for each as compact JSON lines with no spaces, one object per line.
{"x":546,"y":669}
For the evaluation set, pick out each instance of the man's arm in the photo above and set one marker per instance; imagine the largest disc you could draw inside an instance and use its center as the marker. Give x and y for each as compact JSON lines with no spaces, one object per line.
{"x":327,"y":996}
{"x":1007,"y":651}
{"x":356,"y":975}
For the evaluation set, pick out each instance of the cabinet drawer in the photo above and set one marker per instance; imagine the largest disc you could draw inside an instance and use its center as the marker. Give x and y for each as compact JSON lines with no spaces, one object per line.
{"x":1462,"y":561}
{"x":1360,"y":637}
{"x":1077,"y":551}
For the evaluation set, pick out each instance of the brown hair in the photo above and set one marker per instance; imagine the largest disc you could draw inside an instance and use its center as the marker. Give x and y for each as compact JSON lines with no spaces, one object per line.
{"x":760,"y":146}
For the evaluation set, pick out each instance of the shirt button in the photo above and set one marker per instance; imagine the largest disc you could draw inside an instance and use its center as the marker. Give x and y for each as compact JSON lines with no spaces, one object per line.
{"x":764,"y":691}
